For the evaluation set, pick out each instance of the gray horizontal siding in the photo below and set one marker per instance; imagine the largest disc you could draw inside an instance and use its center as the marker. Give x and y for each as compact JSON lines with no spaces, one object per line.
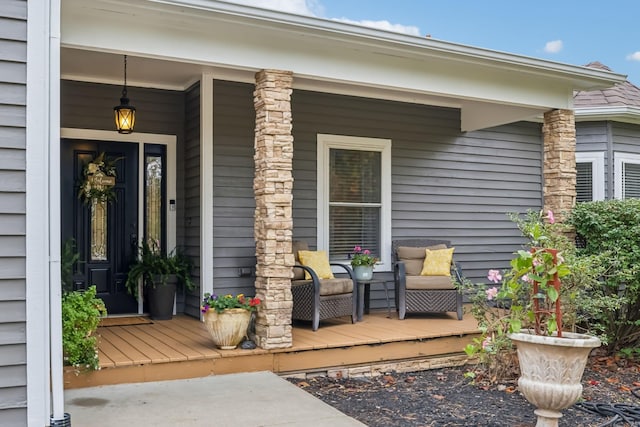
{"x":90,"y":106}
{"x":13,"y":76}
{"x":233,"y":196}
{"x":626,"y":138}
{"x":445,"y":183}
{"x":594,"y":137}
{"x":191,"y":195}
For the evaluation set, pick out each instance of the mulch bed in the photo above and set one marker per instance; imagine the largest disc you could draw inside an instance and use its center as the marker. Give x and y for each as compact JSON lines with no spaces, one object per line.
{"x":445,"y":398}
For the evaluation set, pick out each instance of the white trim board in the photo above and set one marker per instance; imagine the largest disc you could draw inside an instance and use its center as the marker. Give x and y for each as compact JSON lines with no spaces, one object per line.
{"x":206,"y":184}
{"x":619,"y":159}
{"x":325,"y":143}
{"x":43,"y":326}
{"x":596,"y":158}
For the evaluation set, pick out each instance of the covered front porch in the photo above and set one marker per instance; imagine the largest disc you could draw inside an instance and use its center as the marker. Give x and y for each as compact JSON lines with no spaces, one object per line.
{"x":456,"y":132}
{"x":182,"y":348}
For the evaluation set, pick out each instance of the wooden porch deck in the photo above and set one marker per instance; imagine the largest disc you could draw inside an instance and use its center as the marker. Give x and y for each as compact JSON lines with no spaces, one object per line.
{"x":181,"y":348}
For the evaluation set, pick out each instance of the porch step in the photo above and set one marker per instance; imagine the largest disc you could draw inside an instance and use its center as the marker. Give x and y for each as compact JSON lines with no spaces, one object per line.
{"x":181,"y":348}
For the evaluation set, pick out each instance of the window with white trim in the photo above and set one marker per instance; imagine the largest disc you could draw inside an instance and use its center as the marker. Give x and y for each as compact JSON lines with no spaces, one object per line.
{"x":354,"y":197}
{"x":590,"y":176}
{"x":627,"y":175}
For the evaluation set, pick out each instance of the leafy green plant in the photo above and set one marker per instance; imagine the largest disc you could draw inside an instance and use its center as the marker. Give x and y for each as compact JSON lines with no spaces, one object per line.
{"x":81,"y":312}
{"x":223,"y":302}
{"x":529,"y":294}
{"x":610,"y":231}
{"x":68,"y":258}
{"x":362,"y":257}
{"x":155,"y":268}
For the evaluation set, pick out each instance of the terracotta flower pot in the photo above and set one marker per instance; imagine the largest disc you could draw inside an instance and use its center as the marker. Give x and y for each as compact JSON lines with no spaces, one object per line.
{"x":228,"y":328}
{"x":551,"y":370}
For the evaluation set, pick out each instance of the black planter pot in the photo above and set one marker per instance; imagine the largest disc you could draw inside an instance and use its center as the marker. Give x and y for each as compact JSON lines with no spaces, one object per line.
{"x":160,"y":299}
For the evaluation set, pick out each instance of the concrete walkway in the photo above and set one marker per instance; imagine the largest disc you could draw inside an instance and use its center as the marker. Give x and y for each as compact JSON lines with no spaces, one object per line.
{"x":259,"y":399}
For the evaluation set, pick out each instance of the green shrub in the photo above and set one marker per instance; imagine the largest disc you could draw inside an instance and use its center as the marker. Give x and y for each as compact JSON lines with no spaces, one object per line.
{"x":610,"y":231}
{"x":68,"y":257}
{"x":81,"y":312}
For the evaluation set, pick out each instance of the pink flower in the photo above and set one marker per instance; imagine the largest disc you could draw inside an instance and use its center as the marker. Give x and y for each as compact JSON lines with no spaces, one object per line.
{"x":494,"y":276}
{"x":550,"y":217}
{"x":366,"y":252}
{"x":526,"y":278}
{"x":491,"y":293}
{"x":357,"y":249}
{"x":486,"y":343}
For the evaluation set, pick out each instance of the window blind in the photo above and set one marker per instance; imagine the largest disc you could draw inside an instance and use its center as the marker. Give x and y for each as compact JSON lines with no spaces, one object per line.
{"x":584,"y":182}
{"x":631,"y":180}
{"x":354,"y":202}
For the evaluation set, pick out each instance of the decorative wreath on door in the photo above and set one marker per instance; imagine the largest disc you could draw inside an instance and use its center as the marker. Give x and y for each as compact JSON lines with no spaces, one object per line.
{"x":99,"y":177}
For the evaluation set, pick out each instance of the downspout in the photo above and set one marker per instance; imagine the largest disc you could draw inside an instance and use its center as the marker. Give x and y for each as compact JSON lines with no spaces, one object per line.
{"x":58,"y":418}
{"x":610,"y":162}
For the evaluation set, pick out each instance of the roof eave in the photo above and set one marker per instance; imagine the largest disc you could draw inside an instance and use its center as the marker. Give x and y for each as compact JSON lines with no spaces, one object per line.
{"x":622,"y":114}
{"x":581,"y":78}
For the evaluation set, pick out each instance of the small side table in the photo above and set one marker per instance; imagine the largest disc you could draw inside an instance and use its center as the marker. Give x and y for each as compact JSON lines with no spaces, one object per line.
{"x":364,"y":294}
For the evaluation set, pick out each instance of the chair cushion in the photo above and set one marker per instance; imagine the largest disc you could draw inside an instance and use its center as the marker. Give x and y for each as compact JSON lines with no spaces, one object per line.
{"x":318,"y":261}
{"x":429,"y":282}
{"x":437,"y":262}
{"x":413,"y":257}
{"x":298,"y":245}
{"x":335,"y":286}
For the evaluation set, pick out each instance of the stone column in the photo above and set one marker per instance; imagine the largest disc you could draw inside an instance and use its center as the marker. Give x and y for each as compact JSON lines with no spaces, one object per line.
{"x":273,"y":229}
{"x":559,"y":168}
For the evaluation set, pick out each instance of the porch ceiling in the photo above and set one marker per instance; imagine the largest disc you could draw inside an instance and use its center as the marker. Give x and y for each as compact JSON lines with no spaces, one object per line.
{"x":172,"y":42}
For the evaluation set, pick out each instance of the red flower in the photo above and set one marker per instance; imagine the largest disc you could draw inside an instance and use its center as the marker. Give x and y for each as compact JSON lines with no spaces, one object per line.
{"x":254,"y":302}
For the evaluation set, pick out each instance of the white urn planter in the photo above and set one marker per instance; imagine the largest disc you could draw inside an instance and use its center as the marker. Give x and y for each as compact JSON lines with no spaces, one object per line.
{"x":228,"y":328}
{"x":551,"y":371}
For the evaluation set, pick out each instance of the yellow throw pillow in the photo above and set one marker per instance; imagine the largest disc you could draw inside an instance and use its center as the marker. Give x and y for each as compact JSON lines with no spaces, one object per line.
{"x":318,"y":261}
{"x":437,"y":262}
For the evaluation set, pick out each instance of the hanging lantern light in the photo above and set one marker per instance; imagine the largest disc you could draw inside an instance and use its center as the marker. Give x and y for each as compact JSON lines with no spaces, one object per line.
{"x":125,"y":114}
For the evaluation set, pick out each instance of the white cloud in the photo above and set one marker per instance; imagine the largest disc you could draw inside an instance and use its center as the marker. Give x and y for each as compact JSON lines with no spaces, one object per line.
{"x":315,"y":8}
{"x":553,"y":46}
{"x":300,"y":7}
{"x":635,"y":56}
{"x":384,"y":25}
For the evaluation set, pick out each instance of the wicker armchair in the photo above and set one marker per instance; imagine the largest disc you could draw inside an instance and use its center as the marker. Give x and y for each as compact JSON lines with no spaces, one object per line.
{"x":423,"y":294}
{"x":318,"y":299}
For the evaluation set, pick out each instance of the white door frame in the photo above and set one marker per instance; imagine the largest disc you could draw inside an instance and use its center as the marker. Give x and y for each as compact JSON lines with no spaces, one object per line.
{"x":170,"y":141}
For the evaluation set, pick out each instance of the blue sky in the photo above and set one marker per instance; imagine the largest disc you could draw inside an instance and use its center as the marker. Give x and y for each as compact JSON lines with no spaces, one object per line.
{"x":570,"y":31}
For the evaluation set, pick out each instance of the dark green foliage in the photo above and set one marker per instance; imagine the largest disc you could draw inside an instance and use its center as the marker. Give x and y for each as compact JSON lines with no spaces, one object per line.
{"x":68,"y":258}
{"x":154,"y":268}
{"x":81,"y":312}
{"x":611,"y":232}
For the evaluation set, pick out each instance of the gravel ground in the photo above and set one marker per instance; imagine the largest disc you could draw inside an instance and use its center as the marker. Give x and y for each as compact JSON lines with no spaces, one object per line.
{"x":445,"y":398}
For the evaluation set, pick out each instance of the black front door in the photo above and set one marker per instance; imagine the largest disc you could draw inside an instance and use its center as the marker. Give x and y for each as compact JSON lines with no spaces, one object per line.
{"x":105,"y":234}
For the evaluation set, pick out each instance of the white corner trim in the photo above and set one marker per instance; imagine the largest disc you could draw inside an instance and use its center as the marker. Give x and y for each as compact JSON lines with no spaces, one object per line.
{"x":206,"y":184}
{"x":596,"y":158}
{"x":43,"y":60}
{"x":324,"y":144}
{"x":620,"y":159}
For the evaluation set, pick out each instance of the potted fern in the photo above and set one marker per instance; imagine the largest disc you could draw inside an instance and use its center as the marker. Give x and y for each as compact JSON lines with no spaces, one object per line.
{"x":161,"y":275}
